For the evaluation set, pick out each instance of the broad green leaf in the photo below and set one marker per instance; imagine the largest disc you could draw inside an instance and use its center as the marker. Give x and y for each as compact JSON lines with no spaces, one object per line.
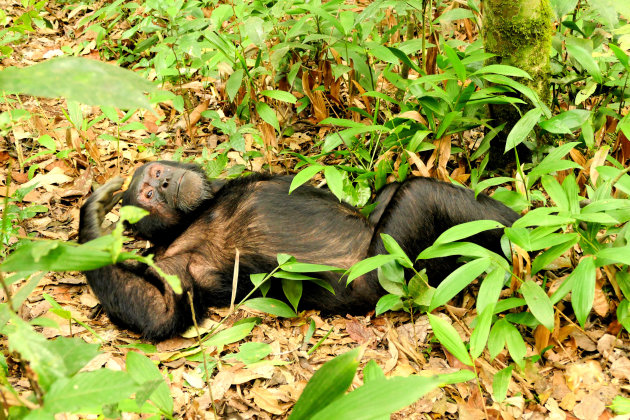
{"x":372,"y":372}
{"x":304,"y":176}
{"x":468,"y":229}
{"x":280,"y":95}
{"x":479,"y":336}
{"x":617,"y":254}
{"x":621,"y":405}
{"x":449,"y":338}
{"x":490,"y":289}
{"x":583,"y":290}
{"x":504,"y":70}
{"x":298,"y":267}
{"x":327,"y":384}
{"x":378,"y":398}
{"x":89,"y":389}
{"x":142,"y":370}
{"x":334,"y":179}
{"x":233,"y":334}
{"x":623,"y":314}
{"x":457,"y":280}
{"x":74,"y":352}
{"x":368,"y":265}
{"x":621,"y":56}
{"x":539,"y":303}
{"x":454,"y":248}
{"x":93,"y":82}
{"x":271,"y":306}
{"x":522,"y":128}
{"x":293,"y":291}
{"x":581,"y":50}
{"x":501,"y":382}
{"x":388,"y":302}
{"x":550,"y":255}
{"x":515,"y":344}
{"x":566,"y":122}
{"x":454,"y":61}
{"x":268,"y":115}
{"x":391,"y":277}
{"x":249,"y":353}
{"x":233,"y":84}
{"x":393,"y":248}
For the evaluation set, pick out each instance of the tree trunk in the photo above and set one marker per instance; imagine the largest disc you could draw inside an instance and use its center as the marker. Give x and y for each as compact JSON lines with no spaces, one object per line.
{"x":519,"y":33}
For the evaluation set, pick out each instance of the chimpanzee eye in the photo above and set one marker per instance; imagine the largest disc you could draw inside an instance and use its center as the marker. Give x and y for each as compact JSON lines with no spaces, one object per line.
{"x":158,"y":173}
{"x":149,"y":194}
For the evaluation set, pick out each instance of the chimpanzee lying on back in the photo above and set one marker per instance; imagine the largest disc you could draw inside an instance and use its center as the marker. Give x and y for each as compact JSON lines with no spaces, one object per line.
{"x":196,"y":225}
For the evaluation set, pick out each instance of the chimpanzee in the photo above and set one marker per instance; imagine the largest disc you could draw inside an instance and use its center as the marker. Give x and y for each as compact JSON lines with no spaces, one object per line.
{"x":197,"y":224}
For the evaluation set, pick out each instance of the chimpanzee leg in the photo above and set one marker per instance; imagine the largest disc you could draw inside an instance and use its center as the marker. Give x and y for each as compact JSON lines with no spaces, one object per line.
{"x":421,"y":209}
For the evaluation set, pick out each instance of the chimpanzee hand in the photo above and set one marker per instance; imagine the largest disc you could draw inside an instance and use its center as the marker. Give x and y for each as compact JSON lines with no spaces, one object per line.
{"x":96,"y":207}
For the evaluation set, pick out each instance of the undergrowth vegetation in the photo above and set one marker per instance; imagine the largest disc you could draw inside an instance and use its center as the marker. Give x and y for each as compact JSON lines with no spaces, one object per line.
{"x":352,"y":97}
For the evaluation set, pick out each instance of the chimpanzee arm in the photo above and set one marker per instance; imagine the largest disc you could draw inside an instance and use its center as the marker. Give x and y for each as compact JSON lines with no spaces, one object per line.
{"x":132,"y":294}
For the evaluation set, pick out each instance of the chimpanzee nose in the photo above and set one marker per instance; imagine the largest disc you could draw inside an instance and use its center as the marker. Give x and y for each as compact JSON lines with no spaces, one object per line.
{"x":165,"y":184}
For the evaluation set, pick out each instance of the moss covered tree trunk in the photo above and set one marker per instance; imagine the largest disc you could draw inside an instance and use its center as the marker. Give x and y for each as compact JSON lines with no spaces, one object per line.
{"x":519,"y":33}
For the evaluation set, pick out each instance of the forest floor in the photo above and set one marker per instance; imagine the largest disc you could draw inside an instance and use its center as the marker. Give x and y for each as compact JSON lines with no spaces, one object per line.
{"x":577,"y":378}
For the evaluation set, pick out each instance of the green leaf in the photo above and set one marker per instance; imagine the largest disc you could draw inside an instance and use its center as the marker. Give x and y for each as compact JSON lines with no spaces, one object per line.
{"x":378,"y":398}
{"x":92,"y":82}
{"x":143,"y":370}
{"x":479,"y":336}
{"x":280,"y":95}
{"x":304,"y":176}
{"x":515,"y":344}
{"x":621,"y":405}
{"x":326,"y":385}
{"x":504,"y":70}
{"x":74,"y":352}
{"x":583,"y":290}
{"x":233,"y":334}
{"x":233,"y":84}
{"x":454,"y":61}
{"x":616,"y":255}
{"x":539,"y":303}
{"x":388,"y":302}
{"x":522,"y":128}
{"x":490,"y":289}
{"x":372,"y":372}
{"x":623,"y":314}
{"x":457,"y":280}
{"x":449,"y":338}
{"x":582,"y":51}
{"x":251,"y":352}
{"x":394,"y":249}
{"x":271,"y":306}
{"x":501,"y":382}
{"x":566,"y":122}
{"x":268,"y":115}
{"x":621,"y":56}
{"x":298,"y":267}
{"x":465,"y":230}
{"x":293,"y":291}
{"x":368,"y":265}
{"x":334,"y":179}
{"x":391,"y":277}
{"x":89,"y":389}
{"x":454,"y":248}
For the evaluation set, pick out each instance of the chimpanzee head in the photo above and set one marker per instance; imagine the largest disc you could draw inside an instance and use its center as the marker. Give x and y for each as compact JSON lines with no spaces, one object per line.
{"x":169,"y":191}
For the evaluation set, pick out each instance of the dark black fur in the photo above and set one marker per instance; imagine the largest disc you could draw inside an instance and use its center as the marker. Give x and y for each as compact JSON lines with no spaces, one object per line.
{"x":255,"y":215}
